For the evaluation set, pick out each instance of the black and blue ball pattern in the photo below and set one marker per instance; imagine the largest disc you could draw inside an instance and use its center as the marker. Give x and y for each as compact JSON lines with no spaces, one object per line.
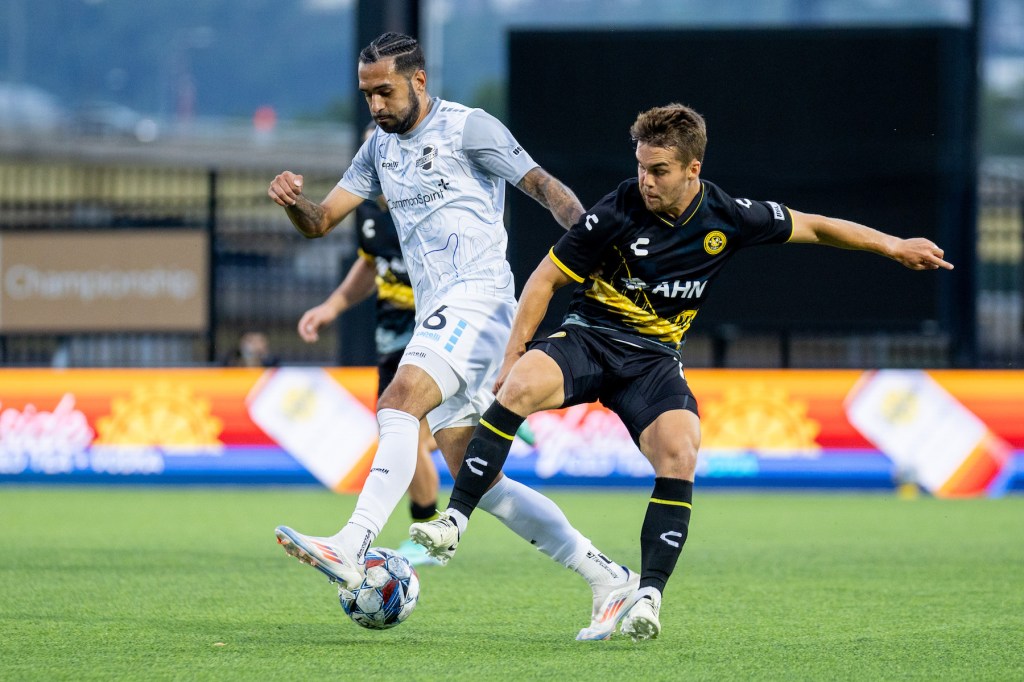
{"x":388,"y":593}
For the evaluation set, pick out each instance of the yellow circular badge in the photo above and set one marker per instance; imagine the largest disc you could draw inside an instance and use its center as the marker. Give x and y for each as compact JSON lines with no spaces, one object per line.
{"x":714,"y":242}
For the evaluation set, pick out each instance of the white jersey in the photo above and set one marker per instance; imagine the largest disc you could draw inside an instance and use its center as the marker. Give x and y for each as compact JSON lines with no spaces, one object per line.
{"x":445,"y":185}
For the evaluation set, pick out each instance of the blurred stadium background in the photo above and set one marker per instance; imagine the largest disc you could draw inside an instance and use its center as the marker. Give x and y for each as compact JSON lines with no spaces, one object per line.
{"x":138,"y":245}
{"x":168,"y":117}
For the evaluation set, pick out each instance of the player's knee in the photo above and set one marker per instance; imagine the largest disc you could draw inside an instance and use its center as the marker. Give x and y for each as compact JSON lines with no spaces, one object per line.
{"x":676,"y":462}
{"x":519,"y":395}
{"x":530,"y":388}
{"x":401,"y":395}
{"x":672,"y":457}
{"x":412,"y":390}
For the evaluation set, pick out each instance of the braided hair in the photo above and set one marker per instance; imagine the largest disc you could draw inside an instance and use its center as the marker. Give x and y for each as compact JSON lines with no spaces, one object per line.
{"x":405,"y":49}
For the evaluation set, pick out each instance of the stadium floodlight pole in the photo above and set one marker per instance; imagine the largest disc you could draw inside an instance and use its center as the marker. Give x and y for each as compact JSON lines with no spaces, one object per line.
{"x":211,"y":280}
{"x":964,"y":302}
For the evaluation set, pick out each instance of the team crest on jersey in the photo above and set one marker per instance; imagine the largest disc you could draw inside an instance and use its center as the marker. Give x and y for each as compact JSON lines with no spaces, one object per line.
{"x":714,"y":242}
{"x":426,"y":161}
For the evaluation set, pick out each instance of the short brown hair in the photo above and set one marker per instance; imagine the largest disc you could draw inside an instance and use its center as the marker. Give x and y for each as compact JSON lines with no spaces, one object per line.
{"x":676,"y":126}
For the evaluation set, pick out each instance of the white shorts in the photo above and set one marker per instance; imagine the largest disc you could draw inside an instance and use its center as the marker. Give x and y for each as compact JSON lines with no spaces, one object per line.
{"x":461,"y":344}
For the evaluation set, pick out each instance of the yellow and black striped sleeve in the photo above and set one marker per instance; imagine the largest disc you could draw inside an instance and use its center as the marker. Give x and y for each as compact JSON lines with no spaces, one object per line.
{"x":563,"y":267}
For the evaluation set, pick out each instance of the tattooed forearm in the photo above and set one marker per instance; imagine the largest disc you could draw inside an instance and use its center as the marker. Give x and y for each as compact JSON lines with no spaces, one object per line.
{"x":307,"y":217}
{"x":552,"y":195}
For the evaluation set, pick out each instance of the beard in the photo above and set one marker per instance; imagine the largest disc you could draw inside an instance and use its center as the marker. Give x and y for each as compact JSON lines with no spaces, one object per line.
{"x":403,"y":121}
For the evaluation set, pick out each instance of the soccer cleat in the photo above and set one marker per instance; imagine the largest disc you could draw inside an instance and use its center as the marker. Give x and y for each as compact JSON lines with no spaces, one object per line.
{"x":439,"y":537}
{"x":610,"y":602}
{"x":417,"y":554}
{"x":323,"y":555}
{"x":642,"y":620}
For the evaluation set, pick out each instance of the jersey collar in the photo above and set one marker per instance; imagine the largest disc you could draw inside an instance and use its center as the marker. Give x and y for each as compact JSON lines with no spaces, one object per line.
{"x":435,"y":104}
{"x":688,"y":214}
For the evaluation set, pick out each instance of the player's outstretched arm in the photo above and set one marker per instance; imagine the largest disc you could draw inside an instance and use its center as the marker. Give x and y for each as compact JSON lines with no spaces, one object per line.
{"x":533,"y":305}
{"x":311,"y":219}
{"x":553,"y":195}
{"x":917,"y":253}
{"x":358,"y":285}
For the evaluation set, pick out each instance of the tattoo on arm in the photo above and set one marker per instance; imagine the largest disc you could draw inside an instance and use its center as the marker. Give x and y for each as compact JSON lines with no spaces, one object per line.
{"x":308,"y":217}
{"x":552,"y":195}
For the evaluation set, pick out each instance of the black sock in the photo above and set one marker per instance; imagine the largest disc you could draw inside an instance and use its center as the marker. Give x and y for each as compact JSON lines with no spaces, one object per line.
{"x":664,"y":530}
{"x":485,"y":457}
{"x":423,"y":512}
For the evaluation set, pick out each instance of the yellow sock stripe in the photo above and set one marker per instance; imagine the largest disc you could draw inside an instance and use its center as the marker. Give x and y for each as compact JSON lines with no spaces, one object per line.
{"x":672,"y":502}
{"x":500,"y":433}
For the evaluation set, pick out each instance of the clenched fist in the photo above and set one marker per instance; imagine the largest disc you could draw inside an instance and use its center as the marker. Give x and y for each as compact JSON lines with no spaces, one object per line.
{"x":285,"y":189}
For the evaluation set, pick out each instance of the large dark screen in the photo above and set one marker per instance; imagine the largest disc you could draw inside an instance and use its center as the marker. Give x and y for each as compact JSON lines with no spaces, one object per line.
{"x":868,"y":125}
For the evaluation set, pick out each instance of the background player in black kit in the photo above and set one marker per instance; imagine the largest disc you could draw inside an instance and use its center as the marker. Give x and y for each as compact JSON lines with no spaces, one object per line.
{"x":656,"y":244}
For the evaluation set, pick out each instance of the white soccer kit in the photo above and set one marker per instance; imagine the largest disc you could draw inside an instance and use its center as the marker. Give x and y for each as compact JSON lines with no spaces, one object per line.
{"x":445,"y":186}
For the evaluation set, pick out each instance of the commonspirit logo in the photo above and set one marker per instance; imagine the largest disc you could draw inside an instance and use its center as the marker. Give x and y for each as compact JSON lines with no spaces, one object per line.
{"x":24,"y":282}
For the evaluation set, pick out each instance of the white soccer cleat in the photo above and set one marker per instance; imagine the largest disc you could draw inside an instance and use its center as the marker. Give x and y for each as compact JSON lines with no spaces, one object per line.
{"x":439,"y":537}
{"x":417,"y":554}
{"x":323,"y":555}
{"x":610,"y":602}
{"x":641,"y":622}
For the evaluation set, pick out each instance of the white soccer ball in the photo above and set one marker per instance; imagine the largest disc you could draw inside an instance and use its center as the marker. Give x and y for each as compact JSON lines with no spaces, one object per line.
{"x":388,"y":593}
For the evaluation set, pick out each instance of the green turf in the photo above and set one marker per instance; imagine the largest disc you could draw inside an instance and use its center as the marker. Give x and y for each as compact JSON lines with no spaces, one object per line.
{"x":117,"y":583}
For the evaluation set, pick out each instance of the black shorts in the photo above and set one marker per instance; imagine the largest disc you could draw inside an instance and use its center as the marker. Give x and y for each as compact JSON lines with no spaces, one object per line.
{"x":634,"y":381}
{"x":387,"y":367}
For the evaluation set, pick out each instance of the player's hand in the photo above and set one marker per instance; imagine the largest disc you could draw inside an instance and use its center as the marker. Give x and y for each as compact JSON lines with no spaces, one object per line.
{"x":312,"y":320}
{"x":285,"y":189}
{"x":506,"y":369}
{"x":920,"y":254}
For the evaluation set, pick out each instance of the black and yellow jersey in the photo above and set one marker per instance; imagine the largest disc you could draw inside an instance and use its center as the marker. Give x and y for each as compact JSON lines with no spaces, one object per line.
{"x":643,"y":273}
{"x":396,"y":309}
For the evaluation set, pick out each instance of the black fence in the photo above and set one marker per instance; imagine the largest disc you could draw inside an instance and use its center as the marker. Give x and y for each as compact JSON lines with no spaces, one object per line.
{"x":264,"y":275}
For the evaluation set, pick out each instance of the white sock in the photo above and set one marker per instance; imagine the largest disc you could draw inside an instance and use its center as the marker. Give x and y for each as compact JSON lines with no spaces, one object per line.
{"x":536,"y":519}
{"x":598,"y":569}
{"x":652,"y":593}
{"x":460,"y":519}
{"x":390,"y":476}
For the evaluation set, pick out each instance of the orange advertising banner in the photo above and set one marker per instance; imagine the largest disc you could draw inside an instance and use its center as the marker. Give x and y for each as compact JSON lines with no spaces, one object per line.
{"x":953,"y":433}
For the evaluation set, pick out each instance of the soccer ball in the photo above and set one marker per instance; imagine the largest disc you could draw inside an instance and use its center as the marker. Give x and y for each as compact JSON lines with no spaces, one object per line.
{"x":388,"y":593}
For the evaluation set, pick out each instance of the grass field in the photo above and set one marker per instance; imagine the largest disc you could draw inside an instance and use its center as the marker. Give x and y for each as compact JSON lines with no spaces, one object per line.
{"x":114,"y":583}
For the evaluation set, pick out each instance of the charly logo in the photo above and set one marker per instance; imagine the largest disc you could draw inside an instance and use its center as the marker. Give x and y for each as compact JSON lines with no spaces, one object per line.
{"x":670,"y":538}
{"x":638,"y":245}
{"x":426,"y":160}
{"x":714,"y":242}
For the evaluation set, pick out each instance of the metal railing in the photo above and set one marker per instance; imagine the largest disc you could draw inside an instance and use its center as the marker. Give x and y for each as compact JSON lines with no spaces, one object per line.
{"x":264,"y":274}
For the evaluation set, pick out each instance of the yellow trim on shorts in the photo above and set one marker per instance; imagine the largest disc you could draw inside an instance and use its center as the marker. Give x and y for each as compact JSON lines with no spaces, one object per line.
{"x":562,"y":267}
{"x":672,"y":502}
{"x":483,"y":422}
